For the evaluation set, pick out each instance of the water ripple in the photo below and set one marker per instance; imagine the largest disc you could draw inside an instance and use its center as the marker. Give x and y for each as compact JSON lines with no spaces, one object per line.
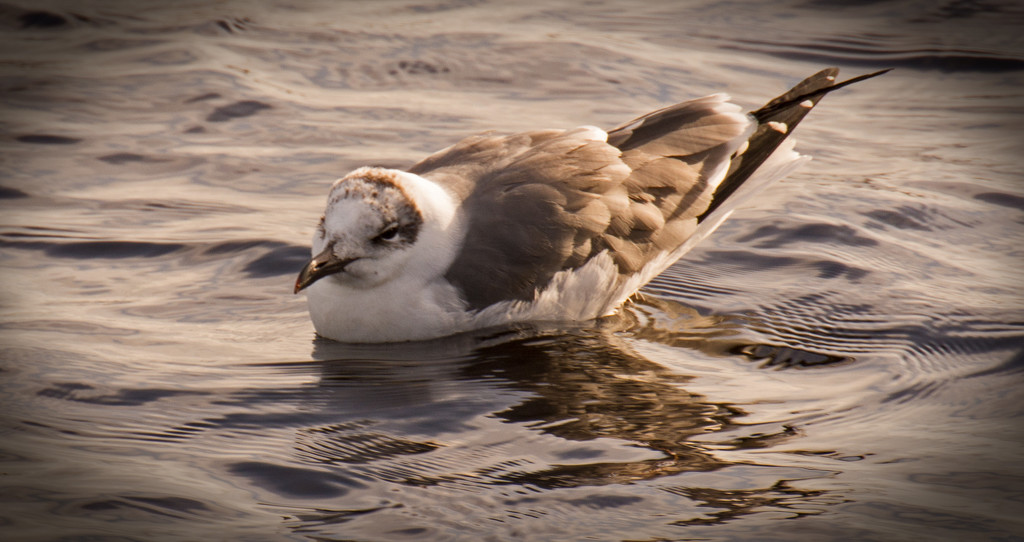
{"x":872,"y":53}
{"x":163,"y":171}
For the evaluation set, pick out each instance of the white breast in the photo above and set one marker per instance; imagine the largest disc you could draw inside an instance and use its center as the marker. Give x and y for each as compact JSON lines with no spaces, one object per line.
{"x":404,"y":309}
{"x":409,"y":309}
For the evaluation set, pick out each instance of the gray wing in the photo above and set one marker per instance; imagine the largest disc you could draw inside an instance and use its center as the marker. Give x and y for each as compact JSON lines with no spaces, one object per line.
{"x":541,"y":202}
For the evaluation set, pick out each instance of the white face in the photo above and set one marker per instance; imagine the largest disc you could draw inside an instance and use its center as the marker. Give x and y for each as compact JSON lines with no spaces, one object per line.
{"x":372,"y":222}
{"x":383,"y":227}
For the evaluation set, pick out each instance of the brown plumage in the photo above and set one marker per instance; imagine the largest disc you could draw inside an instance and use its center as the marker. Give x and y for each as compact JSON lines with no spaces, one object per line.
{"x":545,"y":201}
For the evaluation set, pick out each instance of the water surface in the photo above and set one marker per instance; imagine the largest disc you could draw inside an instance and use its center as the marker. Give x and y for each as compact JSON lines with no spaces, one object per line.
{"x":842,"y":360}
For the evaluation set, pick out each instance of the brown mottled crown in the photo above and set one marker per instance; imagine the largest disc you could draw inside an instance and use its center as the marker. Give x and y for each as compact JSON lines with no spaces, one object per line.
{"x":381,"y":189}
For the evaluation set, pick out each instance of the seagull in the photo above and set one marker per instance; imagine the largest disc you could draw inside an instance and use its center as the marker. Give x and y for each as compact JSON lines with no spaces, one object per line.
{"x":540,"y":226}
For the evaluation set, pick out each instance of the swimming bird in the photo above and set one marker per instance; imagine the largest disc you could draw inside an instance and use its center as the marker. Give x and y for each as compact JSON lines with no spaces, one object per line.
{"x":547,"y":225}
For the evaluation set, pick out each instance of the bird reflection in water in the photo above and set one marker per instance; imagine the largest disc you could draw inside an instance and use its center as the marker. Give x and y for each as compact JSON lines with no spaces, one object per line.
{"x":618,"y":417}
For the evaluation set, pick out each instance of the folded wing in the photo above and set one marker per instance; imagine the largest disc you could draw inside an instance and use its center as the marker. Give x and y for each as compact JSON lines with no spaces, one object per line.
{"x":538,"y":203}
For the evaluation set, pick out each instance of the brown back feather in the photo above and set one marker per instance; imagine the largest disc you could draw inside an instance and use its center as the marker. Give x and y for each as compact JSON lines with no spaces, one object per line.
{"x":541,"y":202}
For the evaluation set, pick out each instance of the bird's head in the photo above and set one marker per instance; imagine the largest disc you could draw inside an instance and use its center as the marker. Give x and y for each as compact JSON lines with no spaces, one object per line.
{"x":378,"y":223}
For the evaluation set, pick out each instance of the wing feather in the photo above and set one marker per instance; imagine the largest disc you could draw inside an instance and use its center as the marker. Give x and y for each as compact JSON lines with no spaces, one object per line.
{"x":541,"y":202}
{"x":537,"y":203}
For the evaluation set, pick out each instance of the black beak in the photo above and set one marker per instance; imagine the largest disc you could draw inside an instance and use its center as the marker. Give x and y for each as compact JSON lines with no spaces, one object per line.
{"x":321,"y":265}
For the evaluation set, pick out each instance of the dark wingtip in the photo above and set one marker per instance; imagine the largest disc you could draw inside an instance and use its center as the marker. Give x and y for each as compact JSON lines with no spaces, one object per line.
{"x":788,"y":109}
{"x":795,"y":96}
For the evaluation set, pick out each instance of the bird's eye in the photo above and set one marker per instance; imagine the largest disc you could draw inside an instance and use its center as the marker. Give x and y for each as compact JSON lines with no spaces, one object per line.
{"x":388,"y":234}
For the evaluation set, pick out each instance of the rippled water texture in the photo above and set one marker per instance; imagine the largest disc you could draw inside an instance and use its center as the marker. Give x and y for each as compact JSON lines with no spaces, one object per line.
{"x":842,"y":360}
